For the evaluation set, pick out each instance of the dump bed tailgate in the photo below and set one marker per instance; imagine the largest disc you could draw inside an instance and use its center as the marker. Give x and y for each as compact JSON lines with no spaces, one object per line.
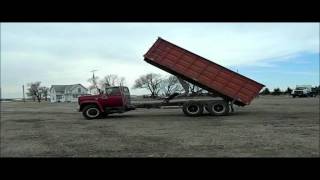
{"x":202,"y":72}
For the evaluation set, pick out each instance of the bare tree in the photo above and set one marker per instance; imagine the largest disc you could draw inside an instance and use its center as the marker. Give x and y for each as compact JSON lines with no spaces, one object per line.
{"x":29,"y":94}
{"x":34,"y":90}
{"x":170,"y":85}
{"x":44,"y":92}
{"x":112,"y":80}
{"x":195,"y":90}
{"x":122,"y":81}
{"x":150,"y":82}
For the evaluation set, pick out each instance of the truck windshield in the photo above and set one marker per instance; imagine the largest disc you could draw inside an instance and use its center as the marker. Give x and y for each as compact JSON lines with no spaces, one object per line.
{"x":300,"y":88}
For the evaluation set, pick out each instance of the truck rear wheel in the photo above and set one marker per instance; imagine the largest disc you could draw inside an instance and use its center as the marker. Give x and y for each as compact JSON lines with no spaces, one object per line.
{"x":91,"y":112}
{"x":218,"y":108}
{"x":192,"y":108}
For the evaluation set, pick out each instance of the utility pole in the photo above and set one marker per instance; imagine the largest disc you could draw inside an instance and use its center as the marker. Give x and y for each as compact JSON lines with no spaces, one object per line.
{"x":94,"y":80}
{"x":93,"y":73}
{"x":24,"y":100}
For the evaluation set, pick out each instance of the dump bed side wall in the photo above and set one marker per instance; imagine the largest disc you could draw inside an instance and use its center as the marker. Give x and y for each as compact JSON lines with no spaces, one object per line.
{"x":202,"y":72}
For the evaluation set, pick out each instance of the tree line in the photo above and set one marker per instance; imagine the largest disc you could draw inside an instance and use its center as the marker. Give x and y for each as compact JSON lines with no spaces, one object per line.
{"x":159,"y":85}
{"x":288,"y":91}
{"x":156,"y":84}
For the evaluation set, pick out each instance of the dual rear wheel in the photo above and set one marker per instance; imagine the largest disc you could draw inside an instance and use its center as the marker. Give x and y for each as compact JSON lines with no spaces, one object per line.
{"x":192,"y":108}
{"x":216,"y":108}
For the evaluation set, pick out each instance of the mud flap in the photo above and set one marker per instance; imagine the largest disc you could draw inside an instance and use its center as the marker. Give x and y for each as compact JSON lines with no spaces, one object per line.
{"x":231,"y":109}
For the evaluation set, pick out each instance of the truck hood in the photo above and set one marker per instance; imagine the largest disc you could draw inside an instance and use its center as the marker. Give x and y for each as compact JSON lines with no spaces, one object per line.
{"x":88,"y":97}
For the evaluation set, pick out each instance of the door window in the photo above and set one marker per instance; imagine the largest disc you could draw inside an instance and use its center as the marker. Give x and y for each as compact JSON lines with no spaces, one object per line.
{"x":114,"y":91}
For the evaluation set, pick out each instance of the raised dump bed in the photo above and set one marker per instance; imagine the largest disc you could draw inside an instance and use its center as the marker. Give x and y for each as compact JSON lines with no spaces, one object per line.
{"x":202,"y":72}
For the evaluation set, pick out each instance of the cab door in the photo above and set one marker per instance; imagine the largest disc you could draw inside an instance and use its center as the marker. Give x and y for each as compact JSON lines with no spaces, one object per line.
{"x":114,"y":97}
{"x":125,"y":95}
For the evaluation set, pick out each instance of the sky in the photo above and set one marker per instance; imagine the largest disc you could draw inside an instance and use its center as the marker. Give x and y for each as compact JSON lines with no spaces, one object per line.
{"x":274,"y":54}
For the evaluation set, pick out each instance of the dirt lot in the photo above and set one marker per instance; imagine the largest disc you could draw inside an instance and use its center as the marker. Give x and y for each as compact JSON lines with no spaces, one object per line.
{"x":269,"y":127}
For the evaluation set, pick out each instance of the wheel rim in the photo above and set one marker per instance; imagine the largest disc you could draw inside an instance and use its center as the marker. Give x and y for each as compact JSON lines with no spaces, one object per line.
{"x":92,"y":112}
{"x":218,"y":108}
{"x":193,"y":109}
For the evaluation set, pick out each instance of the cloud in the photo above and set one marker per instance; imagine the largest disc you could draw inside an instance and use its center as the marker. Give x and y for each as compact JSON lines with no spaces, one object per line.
{"x":225,"y":43}
{"x":65,"y":53}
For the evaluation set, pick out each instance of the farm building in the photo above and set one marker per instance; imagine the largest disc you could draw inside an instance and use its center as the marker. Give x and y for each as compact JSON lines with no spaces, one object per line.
{"x":67,"y":93}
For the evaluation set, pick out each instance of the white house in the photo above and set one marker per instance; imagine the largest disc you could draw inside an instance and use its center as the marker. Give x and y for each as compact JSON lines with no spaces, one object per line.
{"x":67,"y":93}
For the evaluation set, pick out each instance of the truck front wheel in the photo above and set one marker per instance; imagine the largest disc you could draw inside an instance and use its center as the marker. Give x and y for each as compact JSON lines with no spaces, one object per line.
{"x":91,"y":112}
{"x":192,"y":108}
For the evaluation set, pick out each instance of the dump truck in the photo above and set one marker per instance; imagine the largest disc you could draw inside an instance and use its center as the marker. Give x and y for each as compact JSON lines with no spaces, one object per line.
{"x":232,"y":88}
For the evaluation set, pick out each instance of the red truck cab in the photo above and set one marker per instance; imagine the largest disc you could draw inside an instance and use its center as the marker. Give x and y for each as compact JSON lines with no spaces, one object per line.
{"x":115,"y":99}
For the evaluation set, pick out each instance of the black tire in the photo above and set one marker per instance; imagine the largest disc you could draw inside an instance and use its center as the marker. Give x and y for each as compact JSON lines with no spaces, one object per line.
{"x":219,"y":108}
{"x":91,"y":112}
{"x":293,"y":96}
{"x":192,"y":108}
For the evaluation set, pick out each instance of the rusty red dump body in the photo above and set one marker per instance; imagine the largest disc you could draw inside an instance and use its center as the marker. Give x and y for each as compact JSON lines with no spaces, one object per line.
{"x":202,"y":72}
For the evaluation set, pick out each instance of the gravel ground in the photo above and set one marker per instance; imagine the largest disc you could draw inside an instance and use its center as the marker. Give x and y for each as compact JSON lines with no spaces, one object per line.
{"x":269,"y":127}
